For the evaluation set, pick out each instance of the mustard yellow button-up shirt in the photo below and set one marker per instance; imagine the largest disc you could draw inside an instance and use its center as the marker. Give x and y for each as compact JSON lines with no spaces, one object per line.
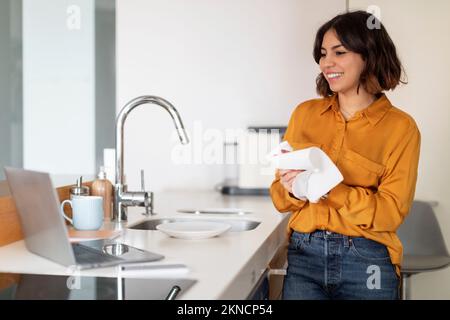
{"x":377,"y":152}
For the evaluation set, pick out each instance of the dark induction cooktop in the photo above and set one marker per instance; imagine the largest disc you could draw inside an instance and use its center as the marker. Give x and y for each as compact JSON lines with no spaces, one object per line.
{"x":15,"y":286}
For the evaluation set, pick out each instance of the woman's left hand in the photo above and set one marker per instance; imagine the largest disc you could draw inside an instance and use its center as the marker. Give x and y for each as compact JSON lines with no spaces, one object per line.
{"x":287,"y":178}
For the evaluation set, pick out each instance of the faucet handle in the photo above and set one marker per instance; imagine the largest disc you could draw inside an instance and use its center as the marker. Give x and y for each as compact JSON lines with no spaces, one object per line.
{"x":148,"y":197}
{"x":149,"y":204}
{"x":142,"y":180}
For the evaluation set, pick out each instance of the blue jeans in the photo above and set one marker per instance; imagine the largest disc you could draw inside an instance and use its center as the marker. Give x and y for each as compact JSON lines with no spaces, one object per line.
{"x":324,"y":265}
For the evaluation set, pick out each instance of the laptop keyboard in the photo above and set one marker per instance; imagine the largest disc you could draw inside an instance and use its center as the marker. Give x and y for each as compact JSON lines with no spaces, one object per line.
{"x":86,"y":256}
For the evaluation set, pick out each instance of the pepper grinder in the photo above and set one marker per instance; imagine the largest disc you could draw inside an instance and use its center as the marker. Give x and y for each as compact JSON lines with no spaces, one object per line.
{"x":79,"y":190}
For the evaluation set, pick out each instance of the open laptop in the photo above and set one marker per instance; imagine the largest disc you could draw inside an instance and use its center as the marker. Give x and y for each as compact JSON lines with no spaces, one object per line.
{"x":46,"y":233}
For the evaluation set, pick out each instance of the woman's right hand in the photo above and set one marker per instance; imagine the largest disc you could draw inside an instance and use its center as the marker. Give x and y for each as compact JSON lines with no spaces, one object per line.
{"x":287,"y":178}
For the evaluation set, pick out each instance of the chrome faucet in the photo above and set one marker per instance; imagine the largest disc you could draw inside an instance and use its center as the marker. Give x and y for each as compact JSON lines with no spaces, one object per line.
{"x":122,"y":197}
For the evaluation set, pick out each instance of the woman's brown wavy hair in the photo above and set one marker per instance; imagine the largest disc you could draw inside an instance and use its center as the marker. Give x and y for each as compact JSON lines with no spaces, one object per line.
{"x":383,"y":70}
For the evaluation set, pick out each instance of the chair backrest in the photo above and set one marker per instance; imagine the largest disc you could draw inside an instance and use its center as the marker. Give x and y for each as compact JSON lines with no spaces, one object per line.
{"x":420,"y":233}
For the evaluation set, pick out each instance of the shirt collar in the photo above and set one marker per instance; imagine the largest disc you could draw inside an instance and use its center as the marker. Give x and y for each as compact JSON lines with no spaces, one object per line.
{"x":330,"y":102}
{"x":374,"y":112}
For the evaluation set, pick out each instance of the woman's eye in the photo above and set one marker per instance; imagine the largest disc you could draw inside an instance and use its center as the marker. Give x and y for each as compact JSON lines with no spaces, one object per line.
{"x":322,"y":54}
{"x":338,"y":53}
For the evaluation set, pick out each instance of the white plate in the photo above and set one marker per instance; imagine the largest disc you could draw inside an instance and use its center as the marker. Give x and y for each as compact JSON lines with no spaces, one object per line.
{"x":193,"y":229}
{"x":216,"y":211}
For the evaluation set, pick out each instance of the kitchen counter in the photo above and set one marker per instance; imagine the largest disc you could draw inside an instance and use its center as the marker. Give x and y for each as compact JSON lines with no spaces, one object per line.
{"x":225,"y":267}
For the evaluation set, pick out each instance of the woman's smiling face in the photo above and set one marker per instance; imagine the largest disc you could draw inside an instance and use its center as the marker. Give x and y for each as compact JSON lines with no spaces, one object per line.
{"x":341,"y":68}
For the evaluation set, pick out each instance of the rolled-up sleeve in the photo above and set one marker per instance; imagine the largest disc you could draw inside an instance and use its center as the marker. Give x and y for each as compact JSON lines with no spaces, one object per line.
{"x":282,"y":199}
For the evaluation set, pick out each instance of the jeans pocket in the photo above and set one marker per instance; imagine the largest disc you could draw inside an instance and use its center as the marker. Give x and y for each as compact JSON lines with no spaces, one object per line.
{"x":296,"y":242}
{"x":369,"y":250}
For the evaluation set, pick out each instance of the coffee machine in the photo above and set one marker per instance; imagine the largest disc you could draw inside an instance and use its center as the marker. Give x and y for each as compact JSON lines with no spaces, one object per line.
{"x":246,"y":165}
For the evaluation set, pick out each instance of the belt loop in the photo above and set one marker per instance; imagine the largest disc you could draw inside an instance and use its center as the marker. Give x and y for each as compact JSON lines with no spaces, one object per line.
{"x":346,"y":241}
{"x":309,"y":237}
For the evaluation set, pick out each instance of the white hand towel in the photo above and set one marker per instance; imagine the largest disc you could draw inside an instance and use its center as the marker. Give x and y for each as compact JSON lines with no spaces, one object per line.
{"x":306,"y":159}
{"x":300,"y":187}
{"x":321,"y":173}
{"x":284,"y":146}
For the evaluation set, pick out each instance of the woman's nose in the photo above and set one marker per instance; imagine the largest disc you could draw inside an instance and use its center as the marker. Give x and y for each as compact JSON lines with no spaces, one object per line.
{"x":327,"y":61}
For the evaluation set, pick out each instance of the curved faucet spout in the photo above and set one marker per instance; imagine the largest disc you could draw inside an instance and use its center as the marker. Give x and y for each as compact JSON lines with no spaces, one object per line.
{"x":121,"y":121}
{"x":120,"y":190}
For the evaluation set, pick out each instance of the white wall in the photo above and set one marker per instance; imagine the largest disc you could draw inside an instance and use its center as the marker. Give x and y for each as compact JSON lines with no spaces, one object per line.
{"x":420,"y":30}
{"x":223,"y":64}
{"x":59,"y":84}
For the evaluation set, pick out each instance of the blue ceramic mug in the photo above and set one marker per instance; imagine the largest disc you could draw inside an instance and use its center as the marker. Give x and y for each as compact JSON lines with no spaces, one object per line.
{"x":87,"y":212}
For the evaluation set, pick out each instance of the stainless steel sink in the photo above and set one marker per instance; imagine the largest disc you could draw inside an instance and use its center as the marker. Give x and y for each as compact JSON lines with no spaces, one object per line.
{"x":237,"y":225}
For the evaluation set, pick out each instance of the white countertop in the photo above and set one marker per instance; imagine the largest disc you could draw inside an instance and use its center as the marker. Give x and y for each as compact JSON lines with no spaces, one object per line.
{"x":225,"y":267}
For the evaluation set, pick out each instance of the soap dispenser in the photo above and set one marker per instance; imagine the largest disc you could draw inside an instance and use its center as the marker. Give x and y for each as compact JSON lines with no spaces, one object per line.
{"x":103,"y":187}
{"x":79,"y":190}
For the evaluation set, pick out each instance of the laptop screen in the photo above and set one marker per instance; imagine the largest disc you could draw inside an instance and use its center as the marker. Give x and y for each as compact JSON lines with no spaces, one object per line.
{"x":38,"y":206}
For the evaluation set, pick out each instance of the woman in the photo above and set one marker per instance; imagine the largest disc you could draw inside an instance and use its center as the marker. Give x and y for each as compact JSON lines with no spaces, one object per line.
{"x":345,"y":246}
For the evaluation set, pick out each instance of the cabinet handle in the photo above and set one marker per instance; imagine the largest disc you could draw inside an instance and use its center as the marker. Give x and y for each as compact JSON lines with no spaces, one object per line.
{"x":281,"y":272}
{"x":173,"y":293}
